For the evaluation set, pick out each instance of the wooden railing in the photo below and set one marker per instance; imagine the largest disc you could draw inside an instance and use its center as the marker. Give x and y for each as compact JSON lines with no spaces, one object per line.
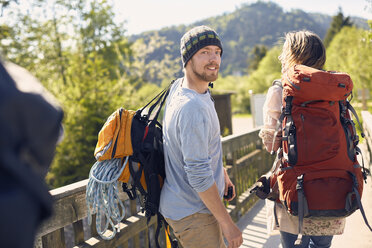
{"x":367,"y":144}
{"x":243,"y":157}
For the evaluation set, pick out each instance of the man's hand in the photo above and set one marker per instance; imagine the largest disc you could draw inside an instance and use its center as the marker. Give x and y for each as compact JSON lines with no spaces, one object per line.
{"x":230,"y":231}
{"x":228,"y":184}
{"x":232,"y":234}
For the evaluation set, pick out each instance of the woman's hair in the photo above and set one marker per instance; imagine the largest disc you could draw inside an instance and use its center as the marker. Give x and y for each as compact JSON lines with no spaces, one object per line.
{"x":302,"y":47}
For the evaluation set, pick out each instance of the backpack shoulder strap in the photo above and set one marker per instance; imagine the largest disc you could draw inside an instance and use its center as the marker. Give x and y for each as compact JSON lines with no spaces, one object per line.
{"x":277,"y":82}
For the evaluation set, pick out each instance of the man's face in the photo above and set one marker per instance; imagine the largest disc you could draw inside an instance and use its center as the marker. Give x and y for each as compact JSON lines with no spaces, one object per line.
{"x":205,"y":63}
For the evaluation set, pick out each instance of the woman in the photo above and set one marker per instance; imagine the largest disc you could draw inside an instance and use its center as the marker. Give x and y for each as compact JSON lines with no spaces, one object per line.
{"x":304,"y":48}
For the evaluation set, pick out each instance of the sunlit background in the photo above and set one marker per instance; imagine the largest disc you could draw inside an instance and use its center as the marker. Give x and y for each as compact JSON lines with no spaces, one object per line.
{"x":144,"y":15}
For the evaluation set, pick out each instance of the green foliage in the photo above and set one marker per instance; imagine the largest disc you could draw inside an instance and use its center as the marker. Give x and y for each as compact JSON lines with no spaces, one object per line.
{"x":258,"y":52}
{"x":146,"y":93}
{"x":351,"y":51}
{"x":260,"y":80}
{"x":87,"y":100}
{"x":234,"y":85}
{"x":269,"y":69}
{"x":82,"y":56}
{"x":149,"y":68}
{"x":338,"y":22}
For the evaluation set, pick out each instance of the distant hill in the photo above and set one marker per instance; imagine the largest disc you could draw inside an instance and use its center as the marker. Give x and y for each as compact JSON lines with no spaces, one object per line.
{"x":251,"y":24}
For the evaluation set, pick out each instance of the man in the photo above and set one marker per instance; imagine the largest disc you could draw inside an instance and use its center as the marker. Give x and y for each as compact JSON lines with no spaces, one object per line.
{"x":196,"y":179}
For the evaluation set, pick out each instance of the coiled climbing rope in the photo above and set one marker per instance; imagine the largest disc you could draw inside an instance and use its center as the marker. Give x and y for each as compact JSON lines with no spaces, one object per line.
{"x":102,"y":196}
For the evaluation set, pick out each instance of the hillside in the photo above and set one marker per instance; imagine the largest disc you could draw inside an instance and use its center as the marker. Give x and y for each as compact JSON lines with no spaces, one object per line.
{"x":251,"y":24}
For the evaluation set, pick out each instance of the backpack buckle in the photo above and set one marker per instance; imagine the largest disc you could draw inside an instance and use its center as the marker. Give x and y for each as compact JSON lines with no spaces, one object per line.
{"x":130,"y":192}
{"x":288,"y":105}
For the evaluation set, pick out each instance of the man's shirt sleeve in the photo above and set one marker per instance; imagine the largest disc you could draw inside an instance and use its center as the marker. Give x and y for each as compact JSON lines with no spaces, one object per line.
{"x":194,"y":137}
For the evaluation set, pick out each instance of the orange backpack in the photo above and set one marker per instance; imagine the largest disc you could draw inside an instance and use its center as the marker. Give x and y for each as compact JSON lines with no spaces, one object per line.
{"x":114,"y":142}
{"x":319,"y":175}
{"x":129,"y":150}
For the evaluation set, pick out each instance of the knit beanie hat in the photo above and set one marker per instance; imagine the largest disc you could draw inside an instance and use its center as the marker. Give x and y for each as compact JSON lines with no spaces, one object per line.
{"x":197,"y":38}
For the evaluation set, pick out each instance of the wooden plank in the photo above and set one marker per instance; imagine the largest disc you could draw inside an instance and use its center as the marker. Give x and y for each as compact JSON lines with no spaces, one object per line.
{"x":125,"y":244}
{"x":133,"y":211}
{"x":233,"y":143}
{"x":69,"y":207}
{"x":367,"y":128}
{"x":247,"y":203}
{"x":68,"y":190}
{"x":78,"y":231}
{"x":248,"y":158}
{"x":54,"y":239}
{"x":128,"y":229}
{"x":146,"y":237}
{"x":38,"y":242}
{"x":246,"y":170}
{"x":67,"y":210}
{"x":235,"y":182}
{"x":93,"y":228}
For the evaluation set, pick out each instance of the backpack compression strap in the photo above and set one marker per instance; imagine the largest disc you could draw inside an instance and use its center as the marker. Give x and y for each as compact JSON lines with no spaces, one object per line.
{"x":357,"y":196}
{"x":356,"y":141}
{"x":356,"y":117}
{"x":303,"y":209}
{"x":289,"y":131}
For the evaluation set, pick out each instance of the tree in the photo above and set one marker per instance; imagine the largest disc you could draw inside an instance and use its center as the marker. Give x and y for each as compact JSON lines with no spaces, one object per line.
{"x":338,"y":22}
{"x":351,"y":52}
{"x":235,"y":85}
{"x":5,"y":4}
{"x":82,"y":56}
{"x":269,"y":68}
{"x":88,"y":100}
{"x":96,"y":83}
{"x":258,"y":52}
{"x":150,"y":69}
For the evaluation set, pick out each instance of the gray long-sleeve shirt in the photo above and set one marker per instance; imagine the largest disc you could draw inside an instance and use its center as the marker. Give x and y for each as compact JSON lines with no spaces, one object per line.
{"x":192,"y":150}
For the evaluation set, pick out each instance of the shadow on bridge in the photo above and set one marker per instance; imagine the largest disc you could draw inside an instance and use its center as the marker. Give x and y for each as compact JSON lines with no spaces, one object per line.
{"x":253,"y":226}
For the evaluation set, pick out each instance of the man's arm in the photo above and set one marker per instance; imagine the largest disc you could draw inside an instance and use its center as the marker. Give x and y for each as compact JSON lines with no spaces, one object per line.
{"x":212,"y":200}
{"x":194,"y":145}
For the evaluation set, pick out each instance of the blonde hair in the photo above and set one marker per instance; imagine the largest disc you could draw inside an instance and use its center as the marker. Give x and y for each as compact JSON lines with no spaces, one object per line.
{"x":302,"y":47}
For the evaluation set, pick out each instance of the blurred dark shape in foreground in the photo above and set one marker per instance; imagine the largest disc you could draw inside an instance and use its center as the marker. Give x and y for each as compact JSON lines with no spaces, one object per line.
{"x":30,"y":127}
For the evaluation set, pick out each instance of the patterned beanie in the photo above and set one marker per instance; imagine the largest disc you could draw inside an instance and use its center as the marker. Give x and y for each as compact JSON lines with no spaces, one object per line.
{"x":197,"y":38}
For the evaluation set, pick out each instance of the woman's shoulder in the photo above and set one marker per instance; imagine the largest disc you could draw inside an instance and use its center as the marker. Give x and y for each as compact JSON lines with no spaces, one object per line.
{"x":274,"y":90}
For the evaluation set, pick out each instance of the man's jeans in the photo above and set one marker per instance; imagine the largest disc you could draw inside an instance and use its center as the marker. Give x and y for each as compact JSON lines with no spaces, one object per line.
{"x":289,"y":239}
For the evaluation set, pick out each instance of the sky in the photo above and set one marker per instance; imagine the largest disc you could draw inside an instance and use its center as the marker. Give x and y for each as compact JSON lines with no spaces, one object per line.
{"x":145,"y":15}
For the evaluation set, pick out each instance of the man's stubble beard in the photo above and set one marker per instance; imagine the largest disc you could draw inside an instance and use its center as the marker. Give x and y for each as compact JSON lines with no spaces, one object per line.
{"x":203,"y":76}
